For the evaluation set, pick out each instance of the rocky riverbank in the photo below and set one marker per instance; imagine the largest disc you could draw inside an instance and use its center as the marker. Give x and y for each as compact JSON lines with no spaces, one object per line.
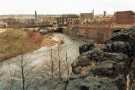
{"x":109,"y":68}
{"x":115,"y":62}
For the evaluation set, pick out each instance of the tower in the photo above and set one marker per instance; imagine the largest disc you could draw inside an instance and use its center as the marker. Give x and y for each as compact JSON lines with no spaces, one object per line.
{"x":36,"y":17}
{"x":93,"y":12}
{"x":104,"y":13}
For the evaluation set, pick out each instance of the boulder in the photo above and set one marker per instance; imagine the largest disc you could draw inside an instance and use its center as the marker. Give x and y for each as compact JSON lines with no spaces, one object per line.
{"x":101,"y":60}
{"x":92,"y":83}
{"x":119,"y":47}
{"x":127,"y":37}
{"x":111,"y":64}
{"x":109,"y":69}
{"x":86,"y":47}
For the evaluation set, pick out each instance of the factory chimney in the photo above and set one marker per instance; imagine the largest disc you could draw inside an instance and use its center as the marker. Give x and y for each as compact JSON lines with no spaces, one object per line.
{"x":36,"y":17}
{"x":104,"y":13}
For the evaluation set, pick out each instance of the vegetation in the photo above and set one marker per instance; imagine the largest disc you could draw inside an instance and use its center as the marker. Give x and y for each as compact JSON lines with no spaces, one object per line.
{"x":14,"y":42}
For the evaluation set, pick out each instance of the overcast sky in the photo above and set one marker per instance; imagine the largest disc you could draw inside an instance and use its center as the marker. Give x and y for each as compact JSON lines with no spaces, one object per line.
{"x":63,"y":6}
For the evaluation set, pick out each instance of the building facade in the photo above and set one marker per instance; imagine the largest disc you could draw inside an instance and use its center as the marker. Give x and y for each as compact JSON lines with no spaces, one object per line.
{"x":124,"y":17}
{"x":99,"y":32}
{"x":70,"y":19}
{"x":86,"y":18}
{"x":96,"y":27}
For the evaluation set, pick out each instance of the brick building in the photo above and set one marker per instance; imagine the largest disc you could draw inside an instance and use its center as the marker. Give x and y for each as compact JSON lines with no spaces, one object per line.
{"x":124,"y":17}
{"x":69,"y":19}
{"x":95,"y":27}
{"x":50,"y":19}
{"x":99,"y":32}
{"x":86,"y":18}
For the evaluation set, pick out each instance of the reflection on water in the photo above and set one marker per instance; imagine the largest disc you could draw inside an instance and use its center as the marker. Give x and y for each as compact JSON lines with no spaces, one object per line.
{"x":38,"y":65}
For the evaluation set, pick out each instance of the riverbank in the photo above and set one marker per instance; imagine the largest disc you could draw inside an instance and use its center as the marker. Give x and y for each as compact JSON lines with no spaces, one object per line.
{"x":38,"y":65}
{"x":14,"y":42}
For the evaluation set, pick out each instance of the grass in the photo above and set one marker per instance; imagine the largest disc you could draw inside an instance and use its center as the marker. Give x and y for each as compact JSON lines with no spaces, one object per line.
{"x":14,"y":42}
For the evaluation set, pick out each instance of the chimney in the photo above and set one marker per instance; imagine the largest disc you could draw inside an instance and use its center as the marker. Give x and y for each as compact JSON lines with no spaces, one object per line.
{"x":35,"y":14}
{"x":93,"y":12}
{"x":104,"y":13}
{"x":36,"y":17}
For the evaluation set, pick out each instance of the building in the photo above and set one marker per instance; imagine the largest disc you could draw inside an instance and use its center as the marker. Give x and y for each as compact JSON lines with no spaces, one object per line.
{"x":69,"y":19}
{"x":49,"y":19}
{"x":95,"y":27}
{"x":124,"y":17}
{"x":3,"y":24}
{"x":86,"y":18}
{"x":99,"y":32}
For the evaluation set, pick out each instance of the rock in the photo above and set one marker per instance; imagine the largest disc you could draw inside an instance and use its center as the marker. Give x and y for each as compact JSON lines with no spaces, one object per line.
{"x":86,"y":59}
{"x":95,"y":55}
{"x":111,"y":65}
{"x":89,"y":83}
{"x":109,"y":69}
{"x":133,"y":69}
{"x":120,"y":36}
{"x":117,"y":57}
{"x":76,"y":70}
{"x":119,"y":47}
{"x":128,"y":39}
{"x":52,"y":85}
{"x":98,"y":58}
{"x":86,"y":47}
{"x":92,"y":83}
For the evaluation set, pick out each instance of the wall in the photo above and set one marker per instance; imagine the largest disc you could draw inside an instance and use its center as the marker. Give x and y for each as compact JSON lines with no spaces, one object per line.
{"x":97,"y":32}
{"x":124,"y":17}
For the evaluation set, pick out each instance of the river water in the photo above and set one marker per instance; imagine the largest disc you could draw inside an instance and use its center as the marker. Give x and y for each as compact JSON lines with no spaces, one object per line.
{"x":40,"y":65}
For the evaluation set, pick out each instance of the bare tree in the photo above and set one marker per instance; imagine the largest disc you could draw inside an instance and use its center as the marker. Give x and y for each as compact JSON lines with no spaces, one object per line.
{"x":13,"y":74}
{"x":11,"y":78}
{"x":52,"y":65}
{"x":67,"y":66}
{"x":128,"y":82}
{"x":68,"y":72}
{"x":59,"y":62}
{"x":22,"y":72}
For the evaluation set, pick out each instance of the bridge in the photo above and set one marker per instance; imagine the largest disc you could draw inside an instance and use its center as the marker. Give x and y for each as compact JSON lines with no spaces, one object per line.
{"x":51,"y":28}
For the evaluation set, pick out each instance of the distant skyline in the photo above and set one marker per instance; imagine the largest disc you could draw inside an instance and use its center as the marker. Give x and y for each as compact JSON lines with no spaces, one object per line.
{"x":64,"y":6}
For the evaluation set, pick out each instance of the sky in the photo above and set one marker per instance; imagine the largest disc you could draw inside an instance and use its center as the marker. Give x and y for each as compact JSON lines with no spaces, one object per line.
{"x":64,"y":6}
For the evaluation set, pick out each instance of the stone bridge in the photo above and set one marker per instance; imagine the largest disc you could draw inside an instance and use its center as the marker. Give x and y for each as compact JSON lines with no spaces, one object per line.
{"x":51,"y":28}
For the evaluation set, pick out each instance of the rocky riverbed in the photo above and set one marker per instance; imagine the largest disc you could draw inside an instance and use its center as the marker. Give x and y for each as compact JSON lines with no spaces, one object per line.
{"x":74,"y":65}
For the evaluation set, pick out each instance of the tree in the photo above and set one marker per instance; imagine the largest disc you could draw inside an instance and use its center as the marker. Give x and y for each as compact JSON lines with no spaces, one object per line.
{"x":11,"y":80}
{"x":68,"y":72}
{"x":67,"y":66}
{"x":59,"y":62}
{"x":22,"y":72}
{"x":52,"y":65}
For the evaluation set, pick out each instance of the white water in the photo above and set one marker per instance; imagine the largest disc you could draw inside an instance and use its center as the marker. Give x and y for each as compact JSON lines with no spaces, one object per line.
{"x":37,"y":65}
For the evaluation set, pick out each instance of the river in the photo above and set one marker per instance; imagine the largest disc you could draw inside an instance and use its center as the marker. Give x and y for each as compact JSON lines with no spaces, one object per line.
{"x":40,"y":65}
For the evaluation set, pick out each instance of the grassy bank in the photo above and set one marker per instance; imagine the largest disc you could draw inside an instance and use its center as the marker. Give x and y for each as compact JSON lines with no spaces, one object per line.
{"x":14,"y":42}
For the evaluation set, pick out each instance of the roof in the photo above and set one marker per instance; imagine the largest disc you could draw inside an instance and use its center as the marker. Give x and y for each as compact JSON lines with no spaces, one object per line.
{"x":86,"y":14}
{"x":125,"y":12}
